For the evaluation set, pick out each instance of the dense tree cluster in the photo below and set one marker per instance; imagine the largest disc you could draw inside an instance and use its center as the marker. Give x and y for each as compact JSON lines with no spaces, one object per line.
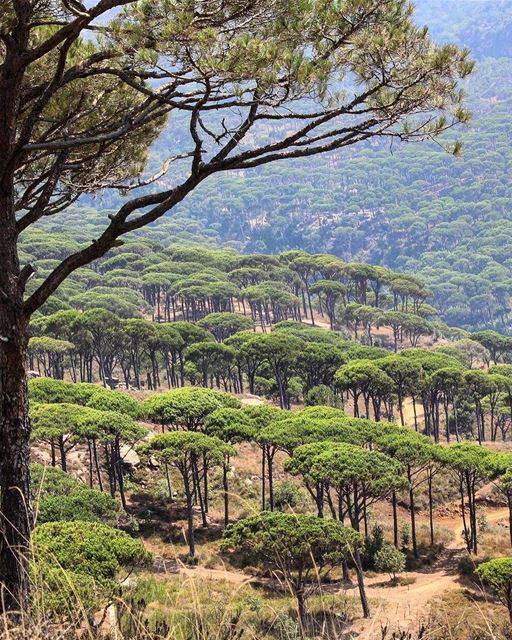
{"x":417,"y":210}
{"x":210,"y":315}
{"x":462,"y":388}
{"x":346,"y":465}
{"x":85,"y":93}
{"x":198,"y":284}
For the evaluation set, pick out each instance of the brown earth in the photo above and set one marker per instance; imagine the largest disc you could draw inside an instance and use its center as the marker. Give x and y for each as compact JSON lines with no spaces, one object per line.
{"x":399,"y":607}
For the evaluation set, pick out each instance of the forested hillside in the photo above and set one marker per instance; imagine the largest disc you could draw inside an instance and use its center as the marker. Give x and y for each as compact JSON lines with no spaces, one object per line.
{"x":412,"y":208}
{"x":213,"y":412}
{"x":255,"y":320}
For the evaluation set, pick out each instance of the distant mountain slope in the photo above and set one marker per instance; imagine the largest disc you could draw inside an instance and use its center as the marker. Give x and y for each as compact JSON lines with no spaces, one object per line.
{"x":414,"y":208}
{"x":485,"y":26}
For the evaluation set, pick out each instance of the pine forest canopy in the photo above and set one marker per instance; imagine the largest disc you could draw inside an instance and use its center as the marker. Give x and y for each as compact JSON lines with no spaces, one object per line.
{"x":416,"y":209}
{"x":86,"y":90}
{"x":346,"y":465}
{"x":170,"y":249}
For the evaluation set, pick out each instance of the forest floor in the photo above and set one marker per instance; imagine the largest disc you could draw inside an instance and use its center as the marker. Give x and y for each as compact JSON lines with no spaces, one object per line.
{"x":397,"y":607}
{"x":404,"y":606}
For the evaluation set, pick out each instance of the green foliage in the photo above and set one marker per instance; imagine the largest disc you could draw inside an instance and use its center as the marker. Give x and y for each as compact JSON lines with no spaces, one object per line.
{"x":296,"y":430}
{"x":89,"y":548}
{"x":287,"y":496}
{"x":187,"y":408}
{"x":87,"y":505}
{"x":373,"y":543}
{"x":321,"y":394}
{"x":465,"y":457}
{"x":211,"y":358}
{"x":390,"y":560}
{"x":106,"y":400}
{"x":231,"y":425}
{"x":497,"y":574}
{"x":51,"y":421}
{"x":289,"y":542}
{"x":264,"y":414}
{"x":48,"y":390}
{"x":176,"y":446}
{"x":363,"y":376}
{"x":60,"y":496}
{"x":346,"y":466}
{"x":87,"y":555}
{"x":408,"y":447}
{"x":223,"y":325}
{"x":109,"y":426}
{"x":51,"y":481}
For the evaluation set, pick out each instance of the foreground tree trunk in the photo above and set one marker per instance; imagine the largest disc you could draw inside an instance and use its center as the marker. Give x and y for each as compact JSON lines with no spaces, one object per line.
{"x":15,"y":509}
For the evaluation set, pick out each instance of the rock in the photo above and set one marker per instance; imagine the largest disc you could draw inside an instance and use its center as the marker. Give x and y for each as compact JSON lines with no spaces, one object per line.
{"x":129,"y":456}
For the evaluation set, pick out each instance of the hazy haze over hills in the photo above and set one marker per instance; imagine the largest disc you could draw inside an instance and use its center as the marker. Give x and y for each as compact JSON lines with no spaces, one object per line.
{"x":413,"y":208}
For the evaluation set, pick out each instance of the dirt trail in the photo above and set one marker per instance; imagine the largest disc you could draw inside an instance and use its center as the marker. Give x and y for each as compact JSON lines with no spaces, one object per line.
{"x":493,"y":516}
{"x":402,"y":606}
{"x":399,"y":606}
{"x":227,"y":575}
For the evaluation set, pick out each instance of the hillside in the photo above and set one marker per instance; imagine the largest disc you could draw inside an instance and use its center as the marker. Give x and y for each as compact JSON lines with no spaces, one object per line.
{"x":415,"y":208}
{"x":255,"y":320}
{"x":338,"y":407}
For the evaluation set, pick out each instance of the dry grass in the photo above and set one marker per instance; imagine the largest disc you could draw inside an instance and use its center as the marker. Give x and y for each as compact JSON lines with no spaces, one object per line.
{"x":495,"y":540}
{"x":460,"y":615}
{"x":182,"y":608}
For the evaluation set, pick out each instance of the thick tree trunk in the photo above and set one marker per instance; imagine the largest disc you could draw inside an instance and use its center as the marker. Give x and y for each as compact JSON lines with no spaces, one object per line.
{"x":15,"y":508}
{"x":225,"y":486}
{"x":395,"y":519}
{"x":360,"y":584}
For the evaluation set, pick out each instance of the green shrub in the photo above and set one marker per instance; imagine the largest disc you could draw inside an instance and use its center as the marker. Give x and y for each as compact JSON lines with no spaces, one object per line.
{"x":48,"y":390}
{"x":85,"y":504}
{"x":108,"y":400}
{"x":497,"y":575}
{"x":287,"y":495}
{"x":372,"y":545}
{"x":321,"y":395}
{"x":390,"y":560}
{"x":52,"y":481}
{"x":60,"y":496}
{"x":81,"y":558}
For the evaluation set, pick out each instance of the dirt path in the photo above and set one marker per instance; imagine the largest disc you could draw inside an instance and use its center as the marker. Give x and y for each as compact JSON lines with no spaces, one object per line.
{"x":398,"y":606}
{"x":402,"y":606}
{"x":493,"y":516}
{"x":237,"y":578}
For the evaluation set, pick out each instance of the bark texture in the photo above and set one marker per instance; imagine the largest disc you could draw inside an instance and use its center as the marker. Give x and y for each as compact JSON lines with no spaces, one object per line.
{"x":15,"y":509}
